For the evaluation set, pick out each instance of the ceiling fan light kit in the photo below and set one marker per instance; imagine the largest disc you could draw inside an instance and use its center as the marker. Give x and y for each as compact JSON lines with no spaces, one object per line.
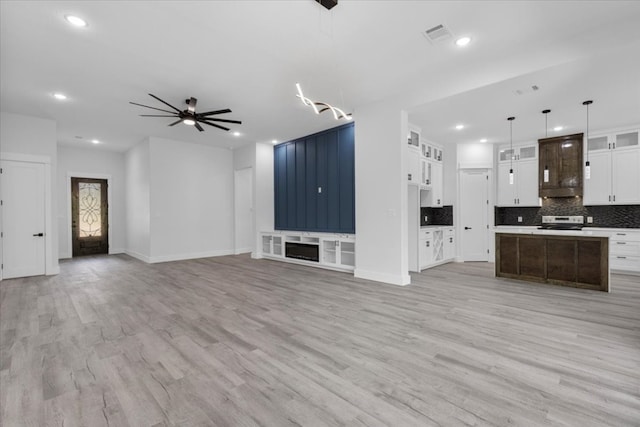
{"x":189,"y":116}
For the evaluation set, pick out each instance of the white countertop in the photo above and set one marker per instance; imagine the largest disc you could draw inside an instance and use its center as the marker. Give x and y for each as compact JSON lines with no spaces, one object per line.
{"x":585,"y":232}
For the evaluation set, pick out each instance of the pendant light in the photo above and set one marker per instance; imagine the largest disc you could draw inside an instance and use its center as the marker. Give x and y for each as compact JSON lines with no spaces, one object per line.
{"x":511,"y":119}
{"x":587,"y":166}
{"x":546,"y":129}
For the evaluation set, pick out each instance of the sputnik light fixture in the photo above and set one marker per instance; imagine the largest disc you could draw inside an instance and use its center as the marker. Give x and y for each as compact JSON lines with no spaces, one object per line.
{"x":337,"y":112}
{"x":546,"y":129}
{"x":511,"y":119}
{"x":587,"y":166}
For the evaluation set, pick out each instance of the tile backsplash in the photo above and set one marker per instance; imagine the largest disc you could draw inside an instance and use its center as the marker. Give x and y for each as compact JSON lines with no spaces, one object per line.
{"x":436,"y":216}
{"x":613,"y":216}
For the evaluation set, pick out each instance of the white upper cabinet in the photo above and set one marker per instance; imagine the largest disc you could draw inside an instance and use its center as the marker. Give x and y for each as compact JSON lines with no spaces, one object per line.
{"x":614,"y":160}
{"x":524,"y":190}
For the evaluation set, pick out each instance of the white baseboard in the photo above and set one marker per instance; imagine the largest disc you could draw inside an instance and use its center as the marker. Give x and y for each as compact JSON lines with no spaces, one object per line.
{"x":400,"y":280}
{"x":195,"y":255}
{"x":137,"y":255}
{"x":242,"y":251}
{"x":117,"y":251}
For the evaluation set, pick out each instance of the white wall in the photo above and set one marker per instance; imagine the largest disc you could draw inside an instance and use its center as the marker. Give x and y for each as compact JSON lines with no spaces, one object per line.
{"x":33,"y":136}
{"x":138,"y":201}
{"x":91,"y":163}
{"x":476,"y":156}
{"x":263,"y":192}
{"x":191,"y":193}
{"x":381,"y":194}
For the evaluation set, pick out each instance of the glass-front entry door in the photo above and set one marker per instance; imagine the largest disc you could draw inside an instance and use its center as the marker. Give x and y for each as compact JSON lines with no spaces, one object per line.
{"x":89,"y":216}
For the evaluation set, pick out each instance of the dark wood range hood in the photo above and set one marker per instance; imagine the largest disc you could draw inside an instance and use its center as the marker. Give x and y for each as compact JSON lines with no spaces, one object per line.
{"x":560,"y":166}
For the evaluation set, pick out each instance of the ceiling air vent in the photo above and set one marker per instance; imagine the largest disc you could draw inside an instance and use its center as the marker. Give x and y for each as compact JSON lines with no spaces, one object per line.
{"x":438,"y":33}
{"x":530,"y":89}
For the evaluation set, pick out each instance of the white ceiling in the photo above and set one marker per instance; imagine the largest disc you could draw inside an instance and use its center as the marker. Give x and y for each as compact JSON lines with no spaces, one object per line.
{"x":248,"y":55}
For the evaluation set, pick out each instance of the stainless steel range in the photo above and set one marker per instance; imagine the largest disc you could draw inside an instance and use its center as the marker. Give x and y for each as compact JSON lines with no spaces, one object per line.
{"x":550,"y":222}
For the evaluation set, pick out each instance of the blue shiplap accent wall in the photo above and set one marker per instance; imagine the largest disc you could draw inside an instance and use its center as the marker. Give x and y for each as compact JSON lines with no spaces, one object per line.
{"x":323,"y":160}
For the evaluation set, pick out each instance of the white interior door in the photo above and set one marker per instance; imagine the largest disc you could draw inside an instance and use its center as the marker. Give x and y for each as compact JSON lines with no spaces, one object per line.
{"x":474,"y":214}
{"x":244,"y":210}
{"x":23,"y":215}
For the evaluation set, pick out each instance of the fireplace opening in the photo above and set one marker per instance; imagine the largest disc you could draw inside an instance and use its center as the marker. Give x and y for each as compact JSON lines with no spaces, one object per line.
{"x":303,"y":251}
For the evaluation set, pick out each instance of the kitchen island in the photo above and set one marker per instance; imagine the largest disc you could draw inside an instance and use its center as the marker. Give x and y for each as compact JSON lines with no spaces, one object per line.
{"x":568,"y":258}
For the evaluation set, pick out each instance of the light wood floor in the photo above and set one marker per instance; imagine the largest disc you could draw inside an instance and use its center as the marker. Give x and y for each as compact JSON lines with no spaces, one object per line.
{"x":231,"y":341}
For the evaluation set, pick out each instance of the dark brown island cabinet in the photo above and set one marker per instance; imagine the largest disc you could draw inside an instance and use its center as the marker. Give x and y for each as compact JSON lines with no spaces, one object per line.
{"x":577,"y":261}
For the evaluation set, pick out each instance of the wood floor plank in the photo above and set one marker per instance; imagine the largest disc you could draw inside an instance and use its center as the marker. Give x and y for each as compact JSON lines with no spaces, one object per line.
{"x":233,"y":341}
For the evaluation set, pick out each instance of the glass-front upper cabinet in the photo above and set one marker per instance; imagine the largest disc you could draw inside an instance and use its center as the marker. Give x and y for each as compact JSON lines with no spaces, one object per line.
{"x":612,"y":141}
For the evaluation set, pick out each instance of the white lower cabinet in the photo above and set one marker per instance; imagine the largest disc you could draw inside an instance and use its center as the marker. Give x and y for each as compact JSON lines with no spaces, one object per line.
{"x":436,"y":246}
{"x":272,"y":245}
{"x":332,"y":251}
{"x":425,"y":248}
{"x":449,"y":243}
{"x":624,"y":250}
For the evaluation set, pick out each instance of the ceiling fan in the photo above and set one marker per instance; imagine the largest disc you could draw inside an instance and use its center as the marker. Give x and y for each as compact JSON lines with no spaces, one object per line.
{"x":189,"y":116}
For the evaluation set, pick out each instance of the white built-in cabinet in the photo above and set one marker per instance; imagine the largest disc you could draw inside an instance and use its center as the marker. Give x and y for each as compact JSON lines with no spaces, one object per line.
{"x":335,"y":251}
{"x":432,"y":174}
{"x":436,"y":245}
{"x":524,"y":189}
{"x":424,"y":168}
{"x":614,"y":160}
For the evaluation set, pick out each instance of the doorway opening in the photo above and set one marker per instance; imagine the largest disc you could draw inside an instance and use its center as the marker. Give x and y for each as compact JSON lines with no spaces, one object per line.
{"x":89,"y":217}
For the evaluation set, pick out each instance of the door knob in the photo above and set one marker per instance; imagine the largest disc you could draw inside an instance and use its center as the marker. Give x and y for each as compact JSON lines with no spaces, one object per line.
{"x":38,"y":235}
{"x":467,"y":228}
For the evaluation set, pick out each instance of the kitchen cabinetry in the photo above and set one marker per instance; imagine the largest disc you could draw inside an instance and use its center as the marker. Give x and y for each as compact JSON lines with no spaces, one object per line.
{"x":524,"y":190}
{"x":449,"y":243}
{"x":433,"y":174}
{"x":335,"y":251}
{"x":436,"y":246}
{"x":615,"y":169}
{"x":414,"y":173}
{"x":425,"y":248}
{"x":560,"y":166}
{"x":624,"y":250}
{"x":576,"y":261}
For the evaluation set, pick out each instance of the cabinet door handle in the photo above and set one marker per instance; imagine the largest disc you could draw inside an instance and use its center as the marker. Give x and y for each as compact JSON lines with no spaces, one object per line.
{"x":621,"y":243}
{"x":467,"y":228}
{"x":38,"y":235}
{"x":621,"y":234}
{"x":621,"y":257}
{"x":614,"y":197}
{"x":409,"y":177}
{"x":614,"y":145}
{"x":609,"y":197}
{"x":427,"y":242}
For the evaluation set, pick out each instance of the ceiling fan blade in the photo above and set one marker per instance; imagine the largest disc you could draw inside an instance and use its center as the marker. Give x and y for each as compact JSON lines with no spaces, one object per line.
{"x":215,"y":125}
{"x":153,"y":108}
{"x":156,"y":115}
{"x":198,"y":127}
{"x":221,"y":120}
{"x":165,"y":103}
{"x":191,"y":105}
{"x":175,"y":123}
{"x":211,"y":113}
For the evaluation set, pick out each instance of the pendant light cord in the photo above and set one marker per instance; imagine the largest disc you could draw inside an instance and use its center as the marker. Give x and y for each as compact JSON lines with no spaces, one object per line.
{"x":587,"y":103}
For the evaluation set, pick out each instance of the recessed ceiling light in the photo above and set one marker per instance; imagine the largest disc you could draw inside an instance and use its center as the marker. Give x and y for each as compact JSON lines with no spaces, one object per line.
{"x":483,"y":140}
{"x":558,"y":128}
{"x":463,"y":41}
{"x":75,"y":21}
{"x":460,"y":126}
{"x":274,"y":141}
{"x":95,"y":141}
{"x":60,"y":96}
{"x":236,"y":133}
